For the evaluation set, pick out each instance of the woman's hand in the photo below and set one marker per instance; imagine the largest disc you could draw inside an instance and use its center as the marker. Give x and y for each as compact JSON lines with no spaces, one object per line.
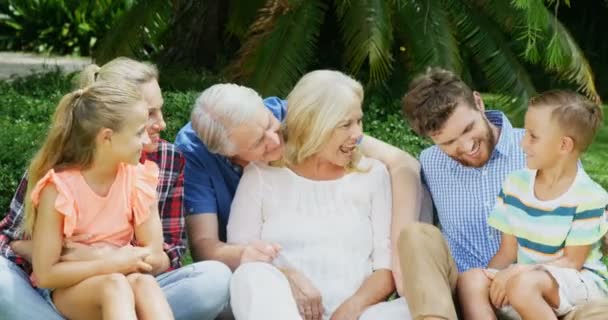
{"x":350,"y":309}
{"x":308,"y":298}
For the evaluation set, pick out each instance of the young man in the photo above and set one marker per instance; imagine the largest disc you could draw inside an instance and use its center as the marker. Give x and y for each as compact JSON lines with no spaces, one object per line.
{"x":474,"y":151}
{"x":232,"y":126}
{"x":197,"y":291}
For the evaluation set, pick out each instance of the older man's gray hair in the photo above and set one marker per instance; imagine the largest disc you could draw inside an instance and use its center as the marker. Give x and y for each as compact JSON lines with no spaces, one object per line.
{"x":218,"y":110}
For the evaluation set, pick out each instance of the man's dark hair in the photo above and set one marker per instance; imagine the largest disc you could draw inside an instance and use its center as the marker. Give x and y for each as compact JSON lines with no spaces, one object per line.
{"x":431,"y":99}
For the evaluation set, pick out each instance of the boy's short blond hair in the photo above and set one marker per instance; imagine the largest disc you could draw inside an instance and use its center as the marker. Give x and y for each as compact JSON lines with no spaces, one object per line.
{"x":577,"y":117}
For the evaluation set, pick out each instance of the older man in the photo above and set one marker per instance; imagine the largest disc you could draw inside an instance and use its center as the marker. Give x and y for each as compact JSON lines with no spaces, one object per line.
{"x":232,"y":126}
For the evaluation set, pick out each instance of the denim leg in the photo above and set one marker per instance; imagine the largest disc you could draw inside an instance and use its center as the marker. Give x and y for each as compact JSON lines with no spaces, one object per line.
{"x":18,"y":299}
{"x":198,"y":291}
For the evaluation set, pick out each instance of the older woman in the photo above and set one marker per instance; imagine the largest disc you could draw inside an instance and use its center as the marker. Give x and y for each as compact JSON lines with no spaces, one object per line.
{"x":326,"y":207}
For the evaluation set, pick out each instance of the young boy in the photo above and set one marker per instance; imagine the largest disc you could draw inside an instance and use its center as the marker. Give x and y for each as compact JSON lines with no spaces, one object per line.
{"x":552,"y":219}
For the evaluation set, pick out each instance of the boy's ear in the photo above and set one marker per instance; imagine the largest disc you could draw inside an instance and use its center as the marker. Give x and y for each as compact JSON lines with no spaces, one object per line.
{"x":567,"y":145}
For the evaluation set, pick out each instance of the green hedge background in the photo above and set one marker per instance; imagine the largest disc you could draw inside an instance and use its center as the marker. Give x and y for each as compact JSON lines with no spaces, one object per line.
{"x":27,"y":105}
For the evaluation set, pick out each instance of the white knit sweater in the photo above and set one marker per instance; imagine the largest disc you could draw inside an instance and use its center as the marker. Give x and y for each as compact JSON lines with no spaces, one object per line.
{"x":336,"y":231}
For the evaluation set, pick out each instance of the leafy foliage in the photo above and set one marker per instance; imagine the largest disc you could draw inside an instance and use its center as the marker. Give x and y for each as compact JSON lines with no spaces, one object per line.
{"x":241,"y":16}
{"x":149,"y":19}
{"x":57,"y":26}
{"x":273,"y":57}
{"x":28,"y":103}
{"x":585,"y":21}
{"x":506,"y":46}
{"x":371,"y":39}
{"x":594,"y":159}
{"x":427,"y":36}
{"x":501,"y":39}
{"x":543,"y":40}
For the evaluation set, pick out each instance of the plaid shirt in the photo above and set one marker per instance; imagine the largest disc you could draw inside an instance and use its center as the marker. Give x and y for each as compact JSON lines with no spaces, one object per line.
{"x":170,"y":207}
{"x":465,"y":196}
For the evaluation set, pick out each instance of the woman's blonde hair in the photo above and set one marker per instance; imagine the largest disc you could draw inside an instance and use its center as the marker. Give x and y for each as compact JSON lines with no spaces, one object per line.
{"x":118,"y":69}
{"x":70,"y":141}
{"x":316,"y":105}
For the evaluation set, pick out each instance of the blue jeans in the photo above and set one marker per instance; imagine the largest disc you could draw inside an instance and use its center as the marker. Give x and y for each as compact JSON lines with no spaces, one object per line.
{"x":197,"y":291}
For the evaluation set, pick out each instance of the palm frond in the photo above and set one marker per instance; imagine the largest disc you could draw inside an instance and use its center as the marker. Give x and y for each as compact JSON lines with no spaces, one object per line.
{"x":535,"y":18}
{"x":128,"y":36}
{"x":565,"y":57}
{"x":557,"y":51}
{"x":366,"y":26}
{"x":242,"y":14}
{"x":428,"y":35}
{"x":561,"y":54}
{"x":280,"y":45}
{"x":491,"y":52}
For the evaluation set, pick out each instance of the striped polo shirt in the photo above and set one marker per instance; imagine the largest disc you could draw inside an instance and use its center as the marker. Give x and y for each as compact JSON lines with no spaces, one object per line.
{"x":544,"y":228}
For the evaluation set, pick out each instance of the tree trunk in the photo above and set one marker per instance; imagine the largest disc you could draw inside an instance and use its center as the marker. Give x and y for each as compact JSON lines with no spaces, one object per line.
{"x":195,"y":38}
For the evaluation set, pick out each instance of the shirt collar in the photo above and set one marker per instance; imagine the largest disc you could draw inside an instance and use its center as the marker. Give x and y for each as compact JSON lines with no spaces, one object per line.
{"x":504,"y":144}
{"x":235,"y":167}
{"x":153,"y":155}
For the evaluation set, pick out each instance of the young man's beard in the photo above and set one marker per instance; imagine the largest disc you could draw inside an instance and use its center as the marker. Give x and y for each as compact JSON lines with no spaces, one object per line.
{"x":489,"y":142}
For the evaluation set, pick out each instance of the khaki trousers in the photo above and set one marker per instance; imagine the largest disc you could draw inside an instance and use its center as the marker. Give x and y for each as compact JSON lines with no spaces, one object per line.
{"x":430,"y":275}
{"x":429,"y":272}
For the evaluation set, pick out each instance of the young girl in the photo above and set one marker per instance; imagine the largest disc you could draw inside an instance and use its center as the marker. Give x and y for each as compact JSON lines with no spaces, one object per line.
{"x":86,"y":180}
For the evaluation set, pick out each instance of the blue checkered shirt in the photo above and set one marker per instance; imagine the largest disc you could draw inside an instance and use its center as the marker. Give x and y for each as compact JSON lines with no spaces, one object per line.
{"x":465,"y":196}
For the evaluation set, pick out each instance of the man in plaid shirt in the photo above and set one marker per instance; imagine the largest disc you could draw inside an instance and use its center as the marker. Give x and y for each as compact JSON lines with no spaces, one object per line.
{"x":197,"y":291}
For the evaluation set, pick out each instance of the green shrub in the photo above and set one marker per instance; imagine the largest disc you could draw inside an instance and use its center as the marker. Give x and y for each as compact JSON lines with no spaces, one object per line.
{"x":56,"y":26}
{"x":594,"y":160}
{"x":27,"y":104}
{"x":33,"y":98}
{"x":177,"y":111}
{"x":19,"y":139}
{"x":382,"y":120}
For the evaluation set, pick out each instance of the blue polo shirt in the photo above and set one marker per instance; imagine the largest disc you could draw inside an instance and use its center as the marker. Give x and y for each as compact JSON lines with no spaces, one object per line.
{"x":210,"y":179}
